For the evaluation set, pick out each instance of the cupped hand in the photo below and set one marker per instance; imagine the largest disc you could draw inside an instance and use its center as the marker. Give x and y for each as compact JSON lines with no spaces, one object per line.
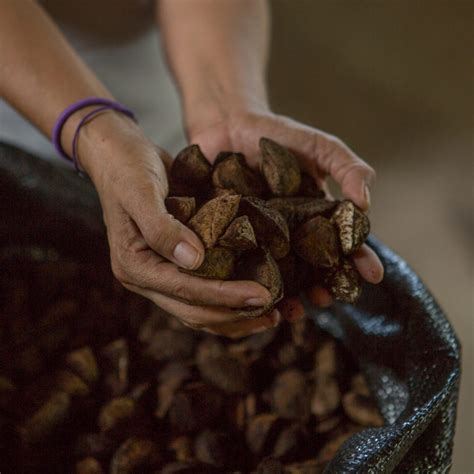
{"x":147,"y":244}
{"x":321,"y":155}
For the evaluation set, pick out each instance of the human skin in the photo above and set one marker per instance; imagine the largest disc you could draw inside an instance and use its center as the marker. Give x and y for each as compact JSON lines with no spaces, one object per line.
{"x":221,"y":78}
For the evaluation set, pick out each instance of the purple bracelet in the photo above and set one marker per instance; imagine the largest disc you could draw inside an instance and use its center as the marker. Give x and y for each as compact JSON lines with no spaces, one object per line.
{"x":106,"y":104}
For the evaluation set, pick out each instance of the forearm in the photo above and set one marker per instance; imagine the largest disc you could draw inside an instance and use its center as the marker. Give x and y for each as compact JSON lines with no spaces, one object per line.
{"x":40,"y":74}
{"x":218,"y":52}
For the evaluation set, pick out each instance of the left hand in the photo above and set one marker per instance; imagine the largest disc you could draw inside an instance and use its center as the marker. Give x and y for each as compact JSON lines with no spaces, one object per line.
{"x":320,"y":155}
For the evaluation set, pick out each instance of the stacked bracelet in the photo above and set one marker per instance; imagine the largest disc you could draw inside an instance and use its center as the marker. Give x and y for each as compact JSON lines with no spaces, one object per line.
{"x":104,"y":104}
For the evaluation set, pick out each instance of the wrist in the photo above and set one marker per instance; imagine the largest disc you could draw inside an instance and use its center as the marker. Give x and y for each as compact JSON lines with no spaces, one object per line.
{"x":220,"y":106}
{"x":113,"y":148}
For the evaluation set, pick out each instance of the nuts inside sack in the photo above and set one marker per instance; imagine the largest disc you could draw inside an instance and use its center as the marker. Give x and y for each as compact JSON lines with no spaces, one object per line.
{"x":167,"y":399}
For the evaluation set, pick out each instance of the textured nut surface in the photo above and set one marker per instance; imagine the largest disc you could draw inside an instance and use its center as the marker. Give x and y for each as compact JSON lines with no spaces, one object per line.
{"x":280,"y":168}
{"x":344,"y":283}
{"x":212,"y":219}
{"x":352,"y":224}
{"x":316,"y":242}
{"x":218,"y":264}
{"x":190,"y":170}
{"x":258,"y":265}
{"x":268,"y":224}
{"x":239,"y":235}
{"x":232,"y":172}
{"x":182,"y":208}
{"x":297,"y":210}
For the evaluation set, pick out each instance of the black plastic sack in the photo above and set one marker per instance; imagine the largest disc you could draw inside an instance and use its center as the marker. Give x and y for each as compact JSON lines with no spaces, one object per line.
{"x":397,"y":332}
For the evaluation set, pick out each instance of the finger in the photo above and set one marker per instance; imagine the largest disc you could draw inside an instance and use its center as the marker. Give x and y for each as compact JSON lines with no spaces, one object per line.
{"x":166,"y":235}
{"x":149,"y":272}
{"x":320,"y":296}
{"x":368,"y":264}
{"x":329,"y":155}
{"x":196,"y":317}
{"x":240,"y":329}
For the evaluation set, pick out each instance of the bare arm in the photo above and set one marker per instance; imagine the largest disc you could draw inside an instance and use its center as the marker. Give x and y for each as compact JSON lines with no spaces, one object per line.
{"x":40,"y":75}
{"x":218,"y":51}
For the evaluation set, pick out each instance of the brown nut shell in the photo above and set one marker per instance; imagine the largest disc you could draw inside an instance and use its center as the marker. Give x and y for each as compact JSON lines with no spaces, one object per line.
{"x":309,"y":188}
{"x":239,"y":235}
{"x":280,"y":168}
{"x":190,"y":171}
{"x":116,"y":414}
{"x":213,"y":218}
{"x":268,"y":224}
{"x":316,"y":242}
{"x":226,"y":371}
{"x":135,"y":455}
{"x":344,"y":282}
{"x":291,"y":395}
{"x":218,"y":264}
{"x":83,"y":362}
{"x":232,"y":172}
{"x":297,"y":210}
{"x":182,"y":208}
{"x":88,"y":466}
{"x":258,"y":265}
{"x":352,"y":224}
{"x":47,"y":418}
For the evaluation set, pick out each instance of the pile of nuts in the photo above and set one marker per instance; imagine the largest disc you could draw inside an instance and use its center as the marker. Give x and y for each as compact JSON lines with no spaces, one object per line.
{"x":168,"y":399}
{"x":274,"y":226}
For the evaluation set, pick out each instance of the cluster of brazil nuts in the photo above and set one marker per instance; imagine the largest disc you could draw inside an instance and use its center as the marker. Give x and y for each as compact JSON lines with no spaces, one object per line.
{"x":274,"y":226}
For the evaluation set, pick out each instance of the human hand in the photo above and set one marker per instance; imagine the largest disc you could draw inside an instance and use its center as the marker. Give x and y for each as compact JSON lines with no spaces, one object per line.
{"x":321,"y":155}
{"x":147,"y":244}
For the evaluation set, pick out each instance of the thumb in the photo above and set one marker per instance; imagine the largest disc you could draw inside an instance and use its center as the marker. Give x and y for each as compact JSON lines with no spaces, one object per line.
{"x":168,"y":237}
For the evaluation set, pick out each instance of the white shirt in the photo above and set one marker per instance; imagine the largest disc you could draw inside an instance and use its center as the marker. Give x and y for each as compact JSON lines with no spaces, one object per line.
{"x":135,"y":73}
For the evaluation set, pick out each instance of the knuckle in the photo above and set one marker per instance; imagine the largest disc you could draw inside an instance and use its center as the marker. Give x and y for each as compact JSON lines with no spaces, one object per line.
{"x":181,"y":290}
{"x":118,"y":270}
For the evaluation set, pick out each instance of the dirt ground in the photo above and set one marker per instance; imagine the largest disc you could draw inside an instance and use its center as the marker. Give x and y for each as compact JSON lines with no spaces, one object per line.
{"x":394,"y":79}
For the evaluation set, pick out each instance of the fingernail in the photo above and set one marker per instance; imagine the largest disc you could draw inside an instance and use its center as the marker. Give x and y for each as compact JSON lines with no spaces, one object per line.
{"x":186,"y":255}
{"x":367,"y":195}
{"x":255,"y":302}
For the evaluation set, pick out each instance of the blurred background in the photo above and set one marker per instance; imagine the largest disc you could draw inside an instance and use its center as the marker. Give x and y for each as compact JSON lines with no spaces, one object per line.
{"x":394,"y":80}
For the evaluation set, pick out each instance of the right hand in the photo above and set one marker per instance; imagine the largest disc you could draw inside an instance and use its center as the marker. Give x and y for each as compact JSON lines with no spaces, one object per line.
{"x":147,"y":244}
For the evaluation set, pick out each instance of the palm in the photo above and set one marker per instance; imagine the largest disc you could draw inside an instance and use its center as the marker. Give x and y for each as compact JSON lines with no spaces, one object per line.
{"x":319,"y":154}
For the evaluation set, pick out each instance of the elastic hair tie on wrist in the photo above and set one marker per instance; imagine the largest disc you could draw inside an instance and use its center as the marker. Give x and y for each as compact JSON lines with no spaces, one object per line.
{"x":106,"y":104}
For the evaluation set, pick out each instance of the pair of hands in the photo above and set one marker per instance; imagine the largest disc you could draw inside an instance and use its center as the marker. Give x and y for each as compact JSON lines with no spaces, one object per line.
{"x":147,"y":245}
